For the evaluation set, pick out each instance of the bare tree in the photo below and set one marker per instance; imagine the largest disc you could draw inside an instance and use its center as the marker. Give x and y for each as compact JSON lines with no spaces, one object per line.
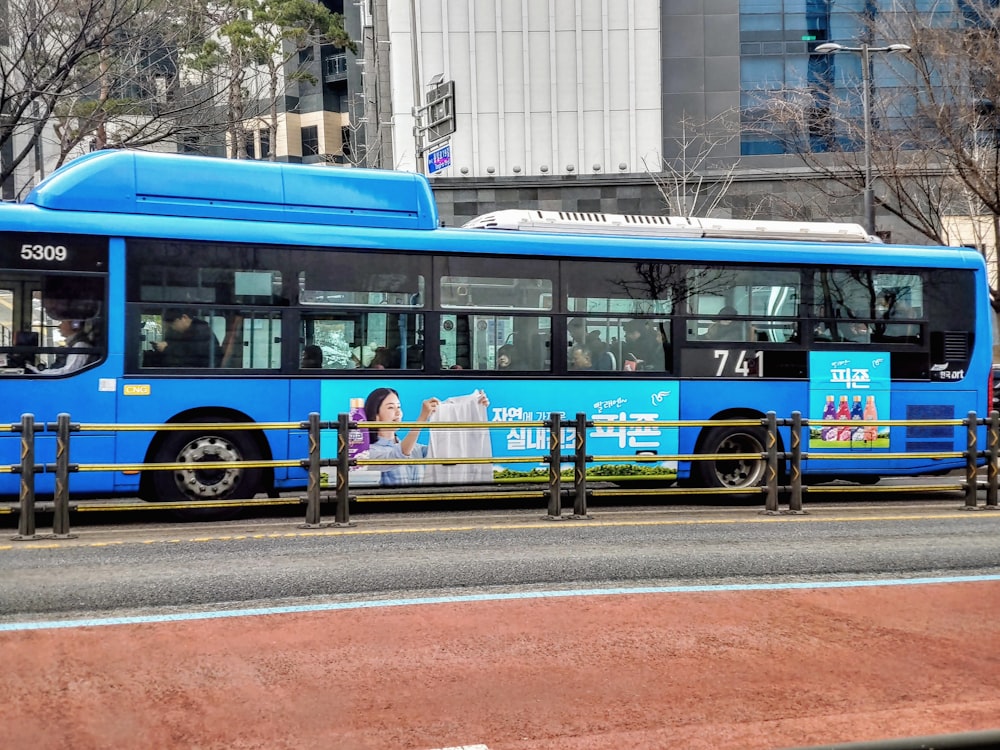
{"x":360,"y":148}
{"x":935,"y":116}
{"x":959,"y":96}
{"x":225,"y":56}
{"x":104,"y":72}
{"x":686,"y":182}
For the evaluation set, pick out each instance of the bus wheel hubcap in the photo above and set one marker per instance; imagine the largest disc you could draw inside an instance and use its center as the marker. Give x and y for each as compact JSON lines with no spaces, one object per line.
{"x":209,"y":483}
{"x":740,"y":472}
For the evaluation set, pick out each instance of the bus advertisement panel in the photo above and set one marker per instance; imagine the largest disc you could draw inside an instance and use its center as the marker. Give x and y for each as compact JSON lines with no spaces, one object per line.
{"x":505,"y":404}
{"x":846,"y":387}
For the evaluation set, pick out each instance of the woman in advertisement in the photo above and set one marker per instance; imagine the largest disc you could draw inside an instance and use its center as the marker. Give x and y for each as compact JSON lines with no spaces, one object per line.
{"x":383,"y":405}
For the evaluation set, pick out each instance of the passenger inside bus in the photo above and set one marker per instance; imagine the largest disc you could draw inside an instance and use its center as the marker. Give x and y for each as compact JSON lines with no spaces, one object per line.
{"x":381,"y":359}
{"x":312,"y":356}
{"x":507,"y":358}
{"x":894,"y":307}
{"x":854,"y":331}
{"x":577,"y":329}
{"x":600,"y":352}
{"x":642,"y":346}
{"x":580,"y":358}
{"x":187,"y":342}
{"x":727,"y":329}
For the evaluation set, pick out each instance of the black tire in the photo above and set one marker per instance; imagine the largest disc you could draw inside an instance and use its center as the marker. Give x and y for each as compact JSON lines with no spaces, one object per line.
{"x":738,"y":473}
{"x":212,"y":484}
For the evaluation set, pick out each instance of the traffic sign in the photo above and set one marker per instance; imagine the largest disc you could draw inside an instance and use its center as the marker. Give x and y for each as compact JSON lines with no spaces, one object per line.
{"x":438,"y":159}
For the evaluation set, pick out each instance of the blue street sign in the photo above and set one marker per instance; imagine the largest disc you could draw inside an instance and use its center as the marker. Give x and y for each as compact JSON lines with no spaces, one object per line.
{"x":439,"y":159}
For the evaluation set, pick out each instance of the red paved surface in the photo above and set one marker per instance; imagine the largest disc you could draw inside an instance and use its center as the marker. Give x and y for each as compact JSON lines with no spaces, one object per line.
{"x":691,"y":670}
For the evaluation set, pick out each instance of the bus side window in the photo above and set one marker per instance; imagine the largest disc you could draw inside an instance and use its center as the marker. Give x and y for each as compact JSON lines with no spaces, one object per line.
{"x":495,"y":342}
{"x":335,"y":338}
{"x":365,"y":340}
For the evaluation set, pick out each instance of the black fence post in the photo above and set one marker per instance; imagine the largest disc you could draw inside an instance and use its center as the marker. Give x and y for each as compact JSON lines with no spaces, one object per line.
{"x":26,"y":523}
{"x":580,"y":467}
{"x":60,"y":517}
{"x":555,"y":466}
{"x":313,"y":511}
{"x":795,"y":499}
{"x":992,"y":457}
{"x":342,"y":517}
{"x":971,"y":470}
{"x":771,"y":423}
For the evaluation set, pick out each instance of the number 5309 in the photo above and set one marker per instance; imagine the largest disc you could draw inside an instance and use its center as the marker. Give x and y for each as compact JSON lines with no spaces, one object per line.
{"x":43,"y":252}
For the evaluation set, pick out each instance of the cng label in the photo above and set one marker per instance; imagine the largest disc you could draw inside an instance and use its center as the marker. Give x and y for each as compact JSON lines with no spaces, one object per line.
{"x":136,"y":390}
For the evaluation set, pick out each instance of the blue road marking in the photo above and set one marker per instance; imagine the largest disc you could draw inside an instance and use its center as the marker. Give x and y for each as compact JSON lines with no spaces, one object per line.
{"x":334,"y":606}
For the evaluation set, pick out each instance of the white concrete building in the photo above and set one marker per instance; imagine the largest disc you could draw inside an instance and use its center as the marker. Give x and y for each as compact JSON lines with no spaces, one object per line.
{"x":542,"y":87}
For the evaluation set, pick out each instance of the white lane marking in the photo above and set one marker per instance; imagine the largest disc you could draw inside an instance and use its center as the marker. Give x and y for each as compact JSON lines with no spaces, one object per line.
{"x":333,"y":606}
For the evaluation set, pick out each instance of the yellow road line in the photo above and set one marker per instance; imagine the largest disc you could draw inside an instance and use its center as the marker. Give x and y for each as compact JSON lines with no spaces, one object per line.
{"x":566,"y":522}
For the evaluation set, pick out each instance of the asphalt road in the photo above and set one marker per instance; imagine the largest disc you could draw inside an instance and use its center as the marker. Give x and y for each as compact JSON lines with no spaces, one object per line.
{"x":123,"y":569}
{"x":710,"y":627}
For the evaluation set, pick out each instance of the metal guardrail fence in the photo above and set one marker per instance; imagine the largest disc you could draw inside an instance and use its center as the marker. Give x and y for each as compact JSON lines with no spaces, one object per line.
{"x":772,"y":490}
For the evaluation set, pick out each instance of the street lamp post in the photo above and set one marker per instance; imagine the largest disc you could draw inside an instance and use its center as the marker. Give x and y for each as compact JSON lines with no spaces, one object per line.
{"x":830,"y":48}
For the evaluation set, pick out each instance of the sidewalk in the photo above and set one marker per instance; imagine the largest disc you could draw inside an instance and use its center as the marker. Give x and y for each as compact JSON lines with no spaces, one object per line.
{"x":713,"y":669}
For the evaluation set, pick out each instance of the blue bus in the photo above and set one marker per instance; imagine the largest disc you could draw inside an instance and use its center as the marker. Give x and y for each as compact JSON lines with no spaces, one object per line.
{"x":142,"y":288}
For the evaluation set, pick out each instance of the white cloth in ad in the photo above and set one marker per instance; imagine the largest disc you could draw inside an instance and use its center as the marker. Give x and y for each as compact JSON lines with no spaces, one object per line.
{"x":448,"y":443}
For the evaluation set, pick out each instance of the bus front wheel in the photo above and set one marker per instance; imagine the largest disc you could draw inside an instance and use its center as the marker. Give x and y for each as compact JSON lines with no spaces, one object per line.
{"x":734,"y":473}
{"x":209,"y":483}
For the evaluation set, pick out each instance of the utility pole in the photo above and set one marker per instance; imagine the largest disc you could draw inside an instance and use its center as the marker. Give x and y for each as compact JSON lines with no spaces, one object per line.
{"x":418,"y":146}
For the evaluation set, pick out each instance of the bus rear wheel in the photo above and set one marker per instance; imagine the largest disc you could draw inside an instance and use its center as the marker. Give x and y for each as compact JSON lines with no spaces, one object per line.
{"x":735,"y":473}
{"x":207,"y":484}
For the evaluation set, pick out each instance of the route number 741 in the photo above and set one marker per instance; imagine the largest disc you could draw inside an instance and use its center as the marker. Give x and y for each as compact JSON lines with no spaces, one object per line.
{"x":748,"y":364}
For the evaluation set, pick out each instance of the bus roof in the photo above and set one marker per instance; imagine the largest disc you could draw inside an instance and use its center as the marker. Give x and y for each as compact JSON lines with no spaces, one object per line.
{"x":189,"y":198}
{"x":563,"y":222}
{"x":139,"y":182}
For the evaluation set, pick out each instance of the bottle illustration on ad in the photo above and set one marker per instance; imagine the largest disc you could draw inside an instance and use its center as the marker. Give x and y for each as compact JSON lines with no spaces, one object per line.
{"x":843,"y":415}
{"x":857,"y":414}
{"x":871,"y":414}
{"x":829,"y":431}
{"x":358,"y":440}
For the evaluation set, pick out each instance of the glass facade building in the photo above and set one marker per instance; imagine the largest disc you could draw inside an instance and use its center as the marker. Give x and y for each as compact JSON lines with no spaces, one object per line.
{"x":778,"y":39}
